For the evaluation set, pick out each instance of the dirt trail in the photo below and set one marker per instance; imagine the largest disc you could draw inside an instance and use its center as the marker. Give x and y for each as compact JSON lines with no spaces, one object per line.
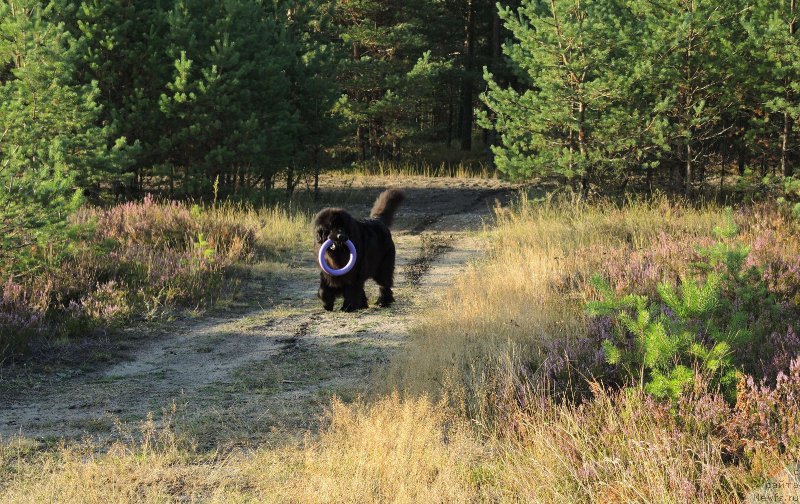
{"x":268,"y":369}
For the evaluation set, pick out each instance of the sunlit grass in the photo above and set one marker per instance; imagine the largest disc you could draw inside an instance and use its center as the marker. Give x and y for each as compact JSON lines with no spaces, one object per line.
{"x":140,"y":260}
{"x":392,"y":451}
{"x":492,"y":431}
{"x":392,"y":169}
{"x":526,"y":299}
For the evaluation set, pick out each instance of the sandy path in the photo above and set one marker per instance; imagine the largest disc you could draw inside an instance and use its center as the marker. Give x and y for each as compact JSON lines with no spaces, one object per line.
{"x":268,"y":369}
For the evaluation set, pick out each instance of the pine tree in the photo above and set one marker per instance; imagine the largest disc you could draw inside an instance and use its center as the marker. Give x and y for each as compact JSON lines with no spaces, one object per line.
{"x":122,"y":47}
{"x":227,"y":108}
{"x":386,"y":44}
{"x":569,"y":117}
{"x":313,"y":93}
{"x":688,"y":49}
{"x":774,"y":49}
{"x":50,"y":147}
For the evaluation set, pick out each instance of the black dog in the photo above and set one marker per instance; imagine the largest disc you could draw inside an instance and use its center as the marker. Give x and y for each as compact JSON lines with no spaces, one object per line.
{"x":374,"y":252}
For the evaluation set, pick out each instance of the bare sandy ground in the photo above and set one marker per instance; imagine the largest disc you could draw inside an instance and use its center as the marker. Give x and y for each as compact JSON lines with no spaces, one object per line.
{"x":269,"y":366}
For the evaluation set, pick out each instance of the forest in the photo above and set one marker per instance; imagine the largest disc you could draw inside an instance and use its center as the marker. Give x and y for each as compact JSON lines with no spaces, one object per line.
{"x":172,"y":96}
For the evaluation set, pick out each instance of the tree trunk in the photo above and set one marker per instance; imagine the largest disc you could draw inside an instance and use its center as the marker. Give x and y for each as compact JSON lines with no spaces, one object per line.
{"x":786,"y":167}
{"x":701,"y":174}
{"x":289,"y":180}
{"x":450,"y":114}
{"x":688,"y":174}
{"x":497,"y":41}
{"x":467,"y":85}
{"x":687,"y":108}
{"x":582,"y":147}
{"x":362,"y":143}
{"x":741,"y":162}
{"x":497,"y":58}
{"x":360,"y":137}
{"x":315,"y":161}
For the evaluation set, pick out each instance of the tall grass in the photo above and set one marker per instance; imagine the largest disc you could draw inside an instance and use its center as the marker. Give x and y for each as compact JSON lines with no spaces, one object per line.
{"x":139,"y":260}
{"x":459,"y":169}
{"x":518,"y":312}
{"x":511,"y":419}
{"x":511,"y":348}
{"x":393,"y":451}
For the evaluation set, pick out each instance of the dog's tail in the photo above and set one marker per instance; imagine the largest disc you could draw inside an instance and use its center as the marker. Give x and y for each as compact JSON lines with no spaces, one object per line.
{"x":386,"y":205}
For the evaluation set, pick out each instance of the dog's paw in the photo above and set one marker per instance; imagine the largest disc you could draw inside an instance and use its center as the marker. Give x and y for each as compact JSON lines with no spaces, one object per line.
{"x":384,"y":303}
{"x":328,"y":307}
{"x":348,"y":308}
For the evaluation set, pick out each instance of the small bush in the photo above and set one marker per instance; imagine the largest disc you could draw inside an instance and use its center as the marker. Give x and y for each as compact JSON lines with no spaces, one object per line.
{"x":768,"y":416}
{"x":721,"y":320}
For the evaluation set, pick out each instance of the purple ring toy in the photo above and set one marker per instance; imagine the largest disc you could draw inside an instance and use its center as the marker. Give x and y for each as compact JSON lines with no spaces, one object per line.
{"x":324,"y":264}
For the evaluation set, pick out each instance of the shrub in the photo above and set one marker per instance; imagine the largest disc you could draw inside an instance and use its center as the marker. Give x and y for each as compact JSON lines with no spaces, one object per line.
{"x":659,"y":346}
{"x":768,"y":416}
{"x":138,"y":260}
{"x":721,"y":319}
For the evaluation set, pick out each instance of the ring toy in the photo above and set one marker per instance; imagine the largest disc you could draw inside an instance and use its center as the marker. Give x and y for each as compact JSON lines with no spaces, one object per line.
{"x":324,"y":264}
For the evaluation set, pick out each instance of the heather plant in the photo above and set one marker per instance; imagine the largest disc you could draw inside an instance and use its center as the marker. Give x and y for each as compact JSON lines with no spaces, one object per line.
{"x":768,"y":416}
{"x":139,"y":260}
{"x":717,"y":321}
{"x":774,"y":240}
{"x":491,"y":353}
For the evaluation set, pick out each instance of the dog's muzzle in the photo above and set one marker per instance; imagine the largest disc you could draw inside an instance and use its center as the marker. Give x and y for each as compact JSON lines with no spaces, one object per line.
{"x":339,"y":240}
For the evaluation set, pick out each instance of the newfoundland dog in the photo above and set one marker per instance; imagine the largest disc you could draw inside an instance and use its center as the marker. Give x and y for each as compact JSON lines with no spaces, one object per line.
{"x":374,"y":252}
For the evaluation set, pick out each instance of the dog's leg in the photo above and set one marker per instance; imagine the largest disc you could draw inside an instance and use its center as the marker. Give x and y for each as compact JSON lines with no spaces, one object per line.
{"x":354,"y":298}
{"x":327,"y":295}
{"x":385,"y":298}
{"x":385,"y":280}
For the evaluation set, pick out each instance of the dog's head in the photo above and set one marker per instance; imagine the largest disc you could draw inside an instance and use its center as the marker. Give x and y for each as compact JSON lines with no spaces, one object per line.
{"x":334,"y":224}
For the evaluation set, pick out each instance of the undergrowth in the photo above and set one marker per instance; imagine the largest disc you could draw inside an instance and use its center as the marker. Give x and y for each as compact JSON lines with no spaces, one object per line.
{"x":137,"y":261}
{"x":511,"y":390}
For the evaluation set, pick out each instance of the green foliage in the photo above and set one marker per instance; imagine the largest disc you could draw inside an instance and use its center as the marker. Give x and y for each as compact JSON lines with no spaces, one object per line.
{"x":238,"y":90}
{"x":727,"y":229}
{"x":704,"y":327}
{"x":227,"y":106}
{"x":787,"y":191}
{"x":50,"y":145}
{"x":609,"y":89}
{"x":570,"y":118}
{"x":204,"y":248}
{"x":389,"y":75}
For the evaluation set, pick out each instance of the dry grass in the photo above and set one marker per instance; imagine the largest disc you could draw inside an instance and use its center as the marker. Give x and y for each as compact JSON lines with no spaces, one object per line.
{"x":140,"y":259}
{"x":525,"y":302}
{"x":615,"y":448}
{"x":513,"y":325}
{"x":492,"y":432}
{"x":460,"y":169}
{"x":393,"y":451}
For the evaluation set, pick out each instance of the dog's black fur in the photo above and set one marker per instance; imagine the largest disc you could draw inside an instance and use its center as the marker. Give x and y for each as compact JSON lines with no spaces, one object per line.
{"x":375,"y":252}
